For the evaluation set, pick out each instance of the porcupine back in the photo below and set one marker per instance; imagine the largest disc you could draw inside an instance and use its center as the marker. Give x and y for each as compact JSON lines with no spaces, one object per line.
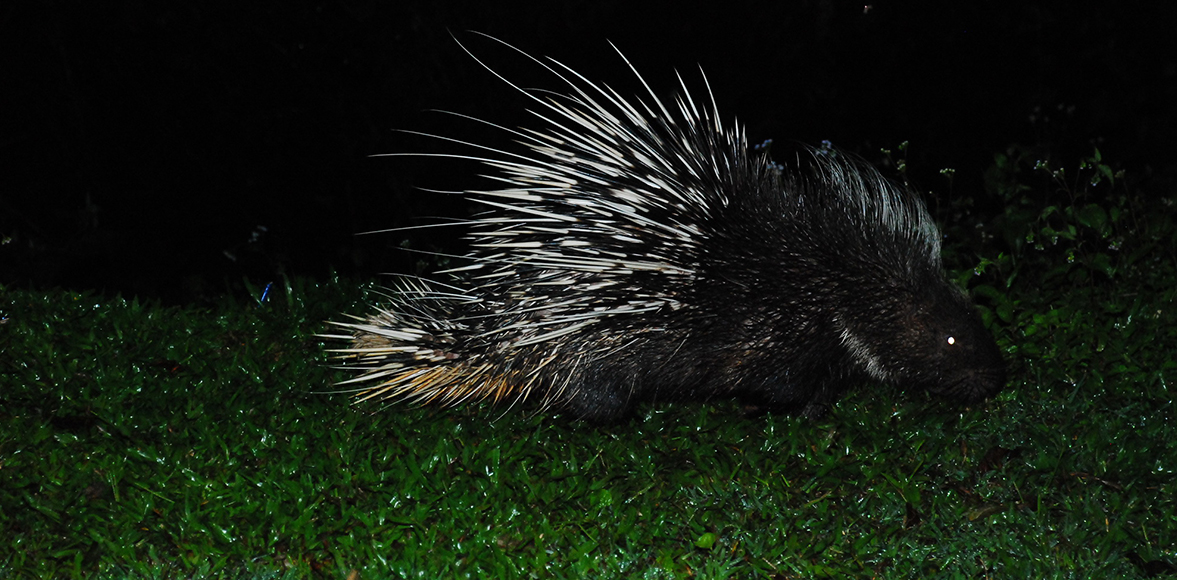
{"x":640,"y":252}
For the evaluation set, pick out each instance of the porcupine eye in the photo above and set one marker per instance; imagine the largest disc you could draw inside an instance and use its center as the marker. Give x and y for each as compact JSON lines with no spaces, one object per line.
{"x":955,"y":349}
{"x":960,"y":343}
{"x":954,"y":345}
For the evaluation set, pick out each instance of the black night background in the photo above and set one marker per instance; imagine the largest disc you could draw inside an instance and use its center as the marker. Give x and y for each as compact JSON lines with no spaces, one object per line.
{"x":171,"y":150}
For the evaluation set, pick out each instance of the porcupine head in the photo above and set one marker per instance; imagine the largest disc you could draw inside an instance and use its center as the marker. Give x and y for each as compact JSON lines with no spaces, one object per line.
{"x":642,"y":252}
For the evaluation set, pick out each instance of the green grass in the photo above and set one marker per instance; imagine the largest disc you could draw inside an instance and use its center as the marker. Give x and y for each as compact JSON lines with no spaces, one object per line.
{"x":148,"y":442}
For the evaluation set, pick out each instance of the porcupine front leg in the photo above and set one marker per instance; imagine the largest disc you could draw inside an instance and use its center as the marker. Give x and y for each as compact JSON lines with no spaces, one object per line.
{"x":808,"y":392}
{"x":827,"y":387}
{"x":823,"y":399}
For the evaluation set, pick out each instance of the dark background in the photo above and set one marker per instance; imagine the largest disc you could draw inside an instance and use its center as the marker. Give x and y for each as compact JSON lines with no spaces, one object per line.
{"x":143,"y":144}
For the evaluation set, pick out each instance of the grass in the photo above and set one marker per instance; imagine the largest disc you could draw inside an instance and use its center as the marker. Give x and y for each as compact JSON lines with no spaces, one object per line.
{"x":138,"y":441}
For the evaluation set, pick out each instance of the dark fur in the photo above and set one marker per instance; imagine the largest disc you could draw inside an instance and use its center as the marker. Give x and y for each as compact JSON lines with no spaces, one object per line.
{"x":763,"y":320}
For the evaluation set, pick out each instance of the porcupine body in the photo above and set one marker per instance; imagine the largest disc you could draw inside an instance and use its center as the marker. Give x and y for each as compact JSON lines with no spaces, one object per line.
{"x":637,"y":252}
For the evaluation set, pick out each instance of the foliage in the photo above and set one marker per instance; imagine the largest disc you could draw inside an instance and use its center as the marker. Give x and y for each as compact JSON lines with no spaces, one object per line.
{"x":148,"y":442}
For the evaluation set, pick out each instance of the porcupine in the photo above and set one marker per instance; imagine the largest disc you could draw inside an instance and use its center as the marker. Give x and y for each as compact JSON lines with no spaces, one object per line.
{"x":640,"y":254}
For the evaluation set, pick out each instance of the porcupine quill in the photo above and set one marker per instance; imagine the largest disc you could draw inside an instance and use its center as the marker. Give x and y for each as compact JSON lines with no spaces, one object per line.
{"x":638,"y":252}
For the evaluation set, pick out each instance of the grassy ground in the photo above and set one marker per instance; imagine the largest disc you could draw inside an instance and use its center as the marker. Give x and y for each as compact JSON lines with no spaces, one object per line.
{"x":148,"y":442}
